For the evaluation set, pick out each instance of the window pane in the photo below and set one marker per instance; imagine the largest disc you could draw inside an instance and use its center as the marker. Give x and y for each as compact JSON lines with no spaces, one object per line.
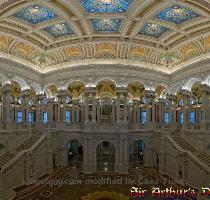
{"x":45,"y":117}
{"x":181,"y":118}
{"x":31,"y":117}
{"x":68,"y":116}
{"x":192,"y":117}
{"x":167,"y":118}
{"x":144,"y":117}
{"x":20,"y":117}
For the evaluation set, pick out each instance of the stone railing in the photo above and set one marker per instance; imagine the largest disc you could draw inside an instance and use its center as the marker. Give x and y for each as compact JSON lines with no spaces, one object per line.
{"x":20,"y":157}
{"x":192,"y":157}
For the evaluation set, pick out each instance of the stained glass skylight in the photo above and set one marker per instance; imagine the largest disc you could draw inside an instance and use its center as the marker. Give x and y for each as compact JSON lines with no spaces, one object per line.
{"x":111,"y":25}
{"x":35,"y":14}
{"x":58,"y":30}
{"x":153,"y":30}
{"x":110,"y":6}
{"x":177,"y":14}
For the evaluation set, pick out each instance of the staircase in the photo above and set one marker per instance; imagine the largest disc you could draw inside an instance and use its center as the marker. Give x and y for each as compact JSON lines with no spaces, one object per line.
{"x":5,"y":158}
{"x":183,"y":143}
{"x":28,"y":143}
{"x":205,"y":158}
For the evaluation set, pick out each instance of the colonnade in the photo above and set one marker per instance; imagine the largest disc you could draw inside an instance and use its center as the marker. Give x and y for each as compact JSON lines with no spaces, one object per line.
{"x":146,"y":112}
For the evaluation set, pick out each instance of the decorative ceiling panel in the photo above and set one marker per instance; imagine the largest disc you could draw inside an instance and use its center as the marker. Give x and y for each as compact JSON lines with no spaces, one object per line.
{"x":112,"y":25}
{"x":108,"y":6}
{"x":61,"y":33}
{"x":177,"y":14}
{"x":153,"y":30}
{"x":58,"y":30}
{"x":35,"y":14}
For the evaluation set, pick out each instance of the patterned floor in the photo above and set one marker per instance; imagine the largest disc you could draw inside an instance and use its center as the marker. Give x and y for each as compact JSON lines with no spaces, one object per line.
{"x":71,"y":184}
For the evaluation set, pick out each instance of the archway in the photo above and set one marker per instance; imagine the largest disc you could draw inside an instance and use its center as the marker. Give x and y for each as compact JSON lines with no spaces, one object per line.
{"x":106,"y":92}
{"x":75,"y":153}
{"x":136,"y":154}
{"x":105,"y":156}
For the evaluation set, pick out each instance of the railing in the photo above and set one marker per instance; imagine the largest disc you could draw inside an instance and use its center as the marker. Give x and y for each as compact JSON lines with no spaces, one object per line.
{"x":21,"y":156}
{"x":190,"y":154}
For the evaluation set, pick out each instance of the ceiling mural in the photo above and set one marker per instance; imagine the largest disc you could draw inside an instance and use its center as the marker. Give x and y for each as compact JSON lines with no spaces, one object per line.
{"x":46,"y":34}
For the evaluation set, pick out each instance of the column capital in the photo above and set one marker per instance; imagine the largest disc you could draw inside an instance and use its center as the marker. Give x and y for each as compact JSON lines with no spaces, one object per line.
{"x":171,"y":97}
{"x":149,"y":93}
{"x":162,"y":101}
{"x":40,"y":96}
{"x":122,"y":90}
{"x":25,"y":93}
{"x":61,"y":93}
{"x":186,"y":93}
{"x":91,"y":90}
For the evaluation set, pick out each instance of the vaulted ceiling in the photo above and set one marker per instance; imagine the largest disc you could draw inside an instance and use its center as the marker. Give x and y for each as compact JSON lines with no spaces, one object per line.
{"x":48,"y":34}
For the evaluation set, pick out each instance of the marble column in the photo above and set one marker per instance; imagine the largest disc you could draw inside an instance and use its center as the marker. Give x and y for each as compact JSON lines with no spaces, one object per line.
{"x":123,"y":154}
{"x":205,"y":107}
{"x":88,"y":155}
{"x":118,"y":110}
{"x":6,"y":106}
{"x":153,"y":114}
{"x":93,"y":109}
{"x":98,"y":113}
{"x":86,"y":110}
{"x":125,"y":110}
{"x":39,"y":110}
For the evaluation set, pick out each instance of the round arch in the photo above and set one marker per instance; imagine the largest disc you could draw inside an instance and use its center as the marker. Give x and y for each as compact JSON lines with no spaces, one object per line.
{"x":22,"y":83}
{"x":188,"y":85}
{"x":105,"y":79}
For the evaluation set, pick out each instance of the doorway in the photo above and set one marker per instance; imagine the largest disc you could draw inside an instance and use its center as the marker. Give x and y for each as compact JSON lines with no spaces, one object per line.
{"x":105,"y":156}
{"x":136,"y":154}
{"x":75,"y":153}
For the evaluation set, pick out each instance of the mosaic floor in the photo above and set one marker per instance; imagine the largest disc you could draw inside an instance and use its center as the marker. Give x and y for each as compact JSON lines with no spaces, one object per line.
{"x":71,"y":184}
